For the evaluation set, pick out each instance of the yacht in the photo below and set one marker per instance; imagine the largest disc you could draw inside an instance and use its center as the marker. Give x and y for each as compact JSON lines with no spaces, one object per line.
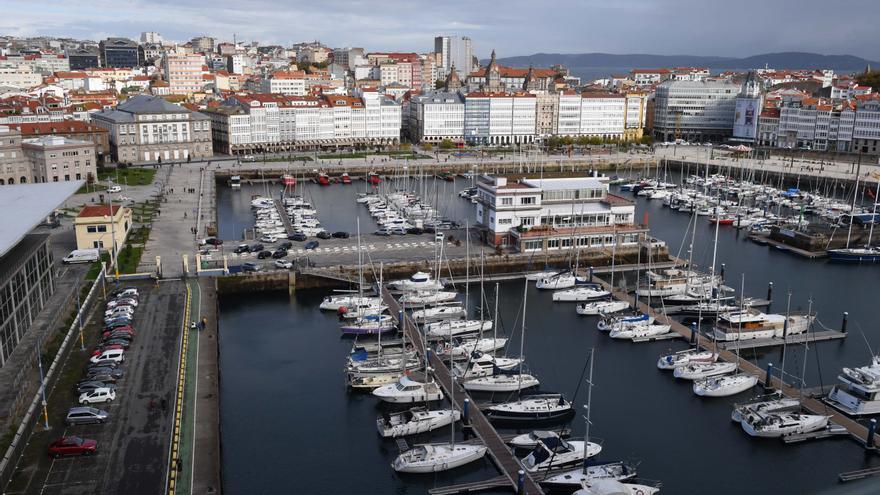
{"x":601,"y":307}
{"x":580,"y":294}
{"x":432,"y":458}
{"x":560,"y":281}
{"x":461,"y":349}
{"x":371,"y":382}
{"x":539,"y":408}
{"x":414,"y":421}
{"x":614,"y":487}
{"x":535,"y":276}
{"x":455,"y":328}
{"x":407,"y":389}
{"x":639,"y":331}
{"x":501,"y":383}
{"x":701,"y":371}
{"x":382,"y":365}
{"x":552,"y":452}
{"x":775,"y":425}
{"x":763,"y":405}
{"x":369,"y":325}
{"x":753,"y":324}
{"x":686,"y":357}
{"x":615,"y":470}
{"x":610,"y":323}
{"x":858,"y":392}
{"x":361,"y":310}
{"x":438,"y":313}
{"x":724,"y":386}
{"x":418,"y":281}
{"x":855,"y":255}
{"x":423,"y":298}
{"x":530,"y":440}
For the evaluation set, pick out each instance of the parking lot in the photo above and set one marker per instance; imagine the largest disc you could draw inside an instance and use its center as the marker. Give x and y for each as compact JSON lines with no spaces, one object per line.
{"x":133,"y":445}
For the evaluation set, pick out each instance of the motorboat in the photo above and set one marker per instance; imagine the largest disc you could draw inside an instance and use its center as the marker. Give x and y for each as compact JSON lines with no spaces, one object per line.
{"x":530,"y":440}
{"x":333,"y":303}
{"x":767,"y":404}
{"x":552,"y":452}
{"x":614,"y":470}
{"x":438,"y":313}
{"x":361,"y":310}
{"x":373,"y":178}
{"x":725,"y":386}
{"x":601,"y":307}
{"x":580,"y":294}
{"x":855,"y":255}
{"x":407,"y":389}
{"x":414,"y":421}
{"x":369,"y":325}
{"x":753,"y":324}
{"x":538,"y":408}
{"x":370,"y":382}
{"x":454,"y":328}
{"x":686,"y":357}
{"x":417,"y":281}
{"x":640,"y":331}
{"x":775,"y":425}
{"x":322,"y":179}
{"x":383,"y":365}
{"x":614,"y":487}
{"x":858,"y":392}
{"x":704,"y":370}
{"x":423,"y":298}
{"x":501,"y":383}
{"x":433,"y":458}
{"x":461,"y":349}
{"x":345,"y":178}
{"x":563,"y":280}
{"x":494,"y":362}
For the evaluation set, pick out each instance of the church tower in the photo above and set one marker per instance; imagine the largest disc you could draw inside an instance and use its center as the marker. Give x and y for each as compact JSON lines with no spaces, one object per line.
{"x":453,"y":83}
{"x":493,"y":76}
{"x":531,"y":82}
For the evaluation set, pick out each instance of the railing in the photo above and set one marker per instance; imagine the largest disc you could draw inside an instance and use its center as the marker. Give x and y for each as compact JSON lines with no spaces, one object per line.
{"x":19,"y":442}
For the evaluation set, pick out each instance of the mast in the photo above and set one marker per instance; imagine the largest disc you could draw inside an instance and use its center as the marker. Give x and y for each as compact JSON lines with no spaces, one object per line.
{"x":522,"y":338}
{"x":467,"y":267}
{"x":495,"y":323}
{"x":452,"y":393}
{"x":852,"y":210}
{"x":785,"y":340}
{"x":873,"y":211}
{"x":588,"y":407}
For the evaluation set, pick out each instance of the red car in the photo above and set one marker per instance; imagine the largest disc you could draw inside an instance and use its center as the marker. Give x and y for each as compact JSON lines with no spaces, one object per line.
{"x":72,"y":446}
{"x":119,"y":331}
{"x":101,"y":348}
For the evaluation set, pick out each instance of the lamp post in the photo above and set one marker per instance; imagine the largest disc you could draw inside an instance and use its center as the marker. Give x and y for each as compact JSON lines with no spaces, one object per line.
{"x":43,"y":387}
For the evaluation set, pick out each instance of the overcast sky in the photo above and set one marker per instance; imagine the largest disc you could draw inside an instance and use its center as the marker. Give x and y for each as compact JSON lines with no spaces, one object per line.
{"x":513,"y":27}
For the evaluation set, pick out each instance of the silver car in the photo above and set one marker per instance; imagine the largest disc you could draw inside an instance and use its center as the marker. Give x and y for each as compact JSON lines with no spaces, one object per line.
{"x":85,"y":415}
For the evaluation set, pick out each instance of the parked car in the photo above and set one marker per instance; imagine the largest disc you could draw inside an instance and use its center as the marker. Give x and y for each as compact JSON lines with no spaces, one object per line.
{"x":256,"y":248}
{"x":279,"y":253}
{"x":264,"y":254}
{"x":118,"y":334}
{"x":104,"y":365}
{"x":85,"y":415}
{"x":103,"y":347}
{"x":89,"y":385}
{"x":242,"y":248}
{"x":310,"y":245}
{"x":115,"y":341}
{"x":105,"y":376}
{"x":398,"y":231}
{"x":250,"y":267}
{"x":297,"y":236}
{"x":119,"y":311}
{"x":97,"y":396}
{"x":284,"y":264}
{"x":340,"y":235}
{"x":415,"y":231}
{"x":117,"y":324}
{"x":439,"y":237}
{"x":122,"y":301}
{"x":268,"y":238}
{"x":114,"y":189}
{"x":324,"y":235}
{"x":285,"y":245}
{"x":383,"y":231}
{"x":72,"y":446}
{"x":211,"y":241}
{"x":111,"y":354}
{"x":124,"y":292}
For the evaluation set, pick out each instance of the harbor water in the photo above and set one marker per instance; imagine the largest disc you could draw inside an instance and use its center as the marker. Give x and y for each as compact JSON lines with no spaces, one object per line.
{"x":289,"y":424}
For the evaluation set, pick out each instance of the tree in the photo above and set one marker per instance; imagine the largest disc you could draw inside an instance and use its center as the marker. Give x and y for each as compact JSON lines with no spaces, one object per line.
{"x":405,"y":147}
{"x":582,"y":140}
{"x":439,"y":84}
{"x":869,"y":79}
{"x":447,"y":144}
{"x":427,"y":147}
{"x":647,"y":139}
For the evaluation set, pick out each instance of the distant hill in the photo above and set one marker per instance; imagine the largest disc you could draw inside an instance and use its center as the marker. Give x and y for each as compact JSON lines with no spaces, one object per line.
{"x":783,"y":60}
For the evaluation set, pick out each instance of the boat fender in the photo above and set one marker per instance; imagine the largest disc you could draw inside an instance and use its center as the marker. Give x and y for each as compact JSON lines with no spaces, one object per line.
{"x":639,"y":491}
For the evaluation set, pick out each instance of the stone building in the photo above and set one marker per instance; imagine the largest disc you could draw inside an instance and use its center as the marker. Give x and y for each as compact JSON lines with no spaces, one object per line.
{"x":60,"y":159}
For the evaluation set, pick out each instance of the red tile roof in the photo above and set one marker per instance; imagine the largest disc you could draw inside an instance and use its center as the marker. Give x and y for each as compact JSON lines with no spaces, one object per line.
{"x":97,"y":211}
{"x":68,"y":126}
{"x":515,"y":72}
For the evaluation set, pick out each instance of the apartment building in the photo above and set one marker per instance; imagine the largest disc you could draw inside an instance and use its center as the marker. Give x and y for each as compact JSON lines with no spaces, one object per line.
{"x":435,"y":116}
{"x":500,"y":118}
{"x":694,"y":110}
{"x":19,"y":76}
{"x":119,"y":52}
{"x":14,"y":166}
{"x":184,"y":73}
{"x":290,"y":83}
{"x":60,"y":159}
{"x":69,"y":128}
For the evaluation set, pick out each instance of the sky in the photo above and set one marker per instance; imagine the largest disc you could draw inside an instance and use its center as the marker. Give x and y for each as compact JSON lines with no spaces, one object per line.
{"x":512,"y":27}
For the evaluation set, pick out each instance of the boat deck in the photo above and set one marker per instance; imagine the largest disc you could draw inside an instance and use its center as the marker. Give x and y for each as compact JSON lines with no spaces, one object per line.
{"x":807,"y":337}
{"x":856,"y":430}
{"x":500,"y":454}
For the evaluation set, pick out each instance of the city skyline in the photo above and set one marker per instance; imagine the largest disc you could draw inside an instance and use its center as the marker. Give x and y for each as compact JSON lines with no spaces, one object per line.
{"x":634,"y":26}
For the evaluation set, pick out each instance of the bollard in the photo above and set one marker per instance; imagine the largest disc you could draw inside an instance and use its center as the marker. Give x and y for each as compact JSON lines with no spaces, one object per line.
{"x":466,"y":413}
{"x":843,"y":325}
{"x":872,"y":429}
{"x":770,"y":291}
{"x":521,"y":480}
{"x":693,"y":333}
{"x":401,"y":321}
{"x":591,"y":274}
{"x":723,"y":267}
{"x":768,"y":383}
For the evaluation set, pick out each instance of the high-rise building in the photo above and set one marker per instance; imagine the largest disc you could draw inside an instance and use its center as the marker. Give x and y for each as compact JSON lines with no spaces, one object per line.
{"x":203,"y":44}
{"x":119,"y":52}
{"x":184,"y":73}
{"x":694,"y":110}
{"x":454,"y":51}
{"x":151,"y":37}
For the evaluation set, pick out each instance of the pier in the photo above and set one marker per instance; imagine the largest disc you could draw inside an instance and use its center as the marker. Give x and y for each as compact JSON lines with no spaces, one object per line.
{"x":285,"y":218}
{"x":806,"y":337}
{"x":855,"y":430}
{"x":501,"y":455}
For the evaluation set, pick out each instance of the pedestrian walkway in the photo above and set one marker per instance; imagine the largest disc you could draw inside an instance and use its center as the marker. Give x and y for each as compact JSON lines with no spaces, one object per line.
{"x":181,"y":468}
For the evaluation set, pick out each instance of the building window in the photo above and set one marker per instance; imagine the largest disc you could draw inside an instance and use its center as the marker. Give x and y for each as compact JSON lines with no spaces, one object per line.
{"x":528,"y":200}
{"x":506,"y":201}
{"x":102,"y":228}
{"x":553,"y":244}
{"x":527,"y":221}
{"x":91,"y":229}
{"x":98,"y":244}
{"x":531,"y":245}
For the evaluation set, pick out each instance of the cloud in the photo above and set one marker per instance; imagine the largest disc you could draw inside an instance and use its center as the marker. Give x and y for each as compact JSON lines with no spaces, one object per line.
{"x":513,"y":27}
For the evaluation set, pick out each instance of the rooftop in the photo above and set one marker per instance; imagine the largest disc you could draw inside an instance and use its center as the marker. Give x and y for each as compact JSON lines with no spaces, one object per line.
{"x":97,"y":211}
{"x":31,"y":204}
{"x":566,"y":183}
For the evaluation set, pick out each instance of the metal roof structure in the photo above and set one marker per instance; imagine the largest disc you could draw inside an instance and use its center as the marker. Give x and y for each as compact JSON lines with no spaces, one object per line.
{"x":25,"y":206}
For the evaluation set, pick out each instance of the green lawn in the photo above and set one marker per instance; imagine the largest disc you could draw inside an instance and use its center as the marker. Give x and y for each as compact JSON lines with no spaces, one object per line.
{"x":90,"y":188}
{"x":132,"y":176}
{"x":129,"y":258}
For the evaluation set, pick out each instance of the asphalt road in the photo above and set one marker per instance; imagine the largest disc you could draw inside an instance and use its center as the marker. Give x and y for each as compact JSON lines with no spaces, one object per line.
{"x":133,"y":445}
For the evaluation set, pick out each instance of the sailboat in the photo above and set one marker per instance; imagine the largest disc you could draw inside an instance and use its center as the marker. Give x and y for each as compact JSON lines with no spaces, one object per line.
{"x":580,"y":294}
{"x":417,"y":281}
{"x":867,"y":253}
{"x":686,"y":357}
{"x":596,"y":308}
{"x":441,"y":329}
{"x":704,"y":370}
{"x":552,"y":452}
{"x":639,"y":331}
{"x":369,"y":325}
{"x":614,"y":470}
{"x":763,"y":405}
{"x":539,"y":408}
{"x":724,"y":386}
{"x":775,"y":425}
{"x":605,"y":486}
{"x":414,"y":421}
{"x":438,"y":313}
{"x":407,"y":389}
{"x":424,"y":298}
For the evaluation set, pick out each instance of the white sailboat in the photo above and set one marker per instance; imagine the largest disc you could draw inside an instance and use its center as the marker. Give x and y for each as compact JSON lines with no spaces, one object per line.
{"x":424,"y":298}
{"x":335,"y":302}
{"x":463,"y":349}
{"x":617,"y":470}
{"x":640,"y":331}
{"x":764,"y":405}
{"x":553,"y":452}
{"x":686,"y":357}
{"x":438,"y":313}
{"x":776,"y":425}
{"x":442,"y":329}
{"x":414,"y":421}
{"x":614,"y":487}
{"x":724,"y":386}
{"x":535,"y":276}
{"x":597,"y":308}
{"x":559,"y":281}
{"x":704,"y":370}
{"x":433,"y":458}
{"x":418,"y":281}
{"x":501,"y":383}
{"x":407,"y":390}
{"x":580,"y":294}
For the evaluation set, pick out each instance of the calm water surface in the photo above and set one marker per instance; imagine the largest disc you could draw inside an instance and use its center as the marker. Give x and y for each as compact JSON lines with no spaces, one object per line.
{"x":290,"y":426}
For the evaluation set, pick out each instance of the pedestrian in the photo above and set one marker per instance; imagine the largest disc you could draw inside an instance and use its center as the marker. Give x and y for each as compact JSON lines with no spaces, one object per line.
{"x":184,"y":214}
{"x":164,"y":405}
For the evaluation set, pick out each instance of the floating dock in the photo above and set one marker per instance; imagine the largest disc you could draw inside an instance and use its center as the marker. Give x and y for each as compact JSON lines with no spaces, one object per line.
{"x":500,"y":454}
{"x":801,"y":338}
{"x":285,"y":218}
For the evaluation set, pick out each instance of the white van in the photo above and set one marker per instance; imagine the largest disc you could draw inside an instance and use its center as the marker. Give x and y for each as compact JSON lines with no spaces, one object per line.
{"x":117,"y":355}
{"x":82,"y":256}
